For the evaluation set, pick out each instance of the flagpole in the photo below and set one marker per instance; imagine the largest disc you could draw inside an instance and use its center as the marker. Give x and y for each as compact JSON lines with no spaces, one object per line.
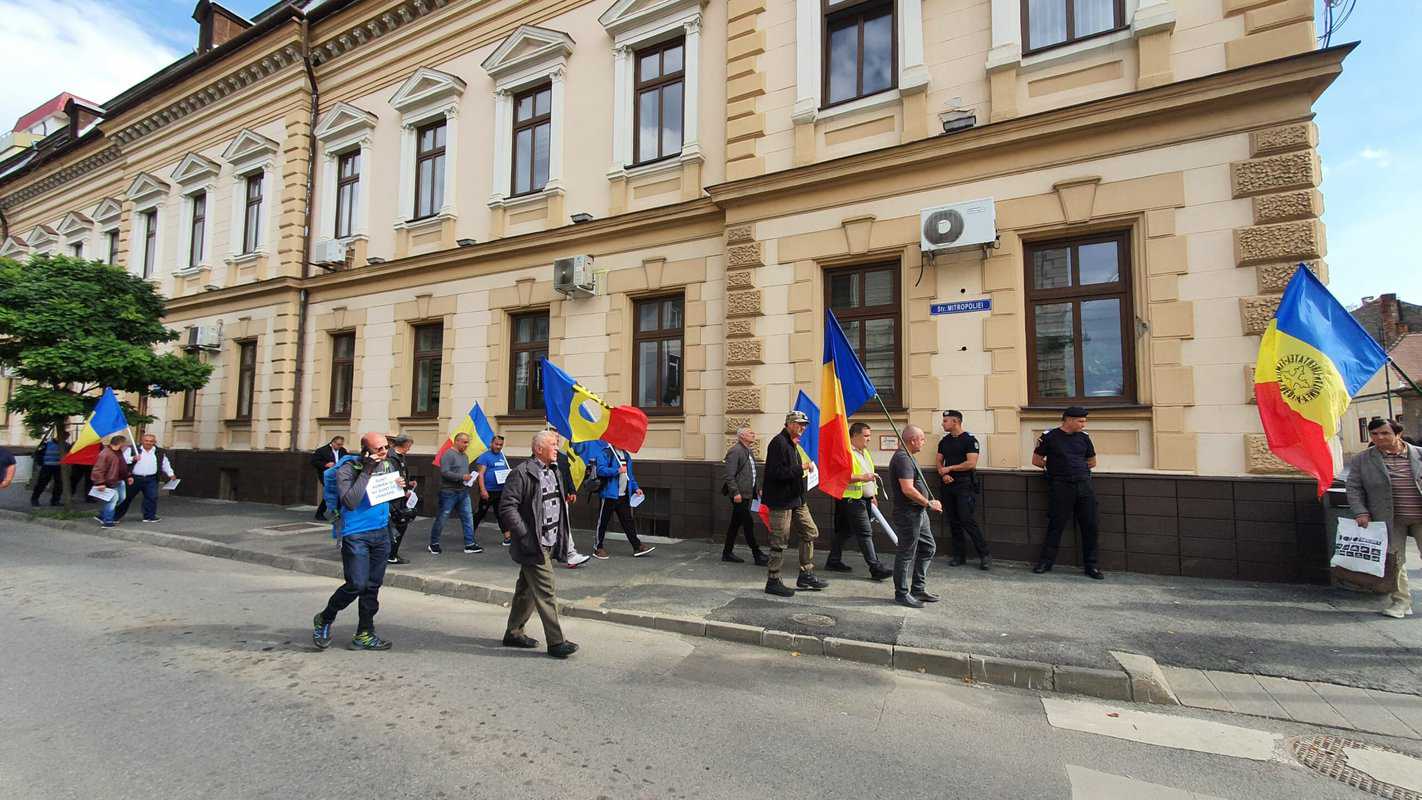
{"x":1405,"y":377}
{"x":898,"y":436}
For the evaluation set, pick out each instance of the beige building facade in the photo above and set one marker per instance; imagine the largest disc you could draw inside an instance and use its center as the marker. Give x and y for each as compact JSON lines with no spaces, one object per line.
{"x":356,"y":213}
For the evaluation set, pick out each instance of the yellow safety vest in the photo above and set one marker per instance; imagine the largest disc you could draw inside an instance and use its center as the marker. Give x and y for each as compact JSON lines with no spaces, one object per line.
{"x":862,"y":463}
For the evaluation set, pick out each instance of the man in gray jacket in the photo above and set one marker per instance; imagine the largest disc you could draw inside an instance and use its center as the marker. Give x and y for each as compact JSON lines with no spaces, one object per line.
{"x":741,"y":486}
{"x":534,"y":510}
{"x":454,"y":479}
{"x":1385,"y":485}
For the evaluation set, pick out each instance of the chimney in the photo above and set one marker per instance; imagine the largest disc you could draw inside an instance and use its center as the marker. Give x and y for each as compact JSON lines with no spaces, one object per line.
{"x":81,"y":114}
{"x":216,"y":25}
{"x":1387,"y":319}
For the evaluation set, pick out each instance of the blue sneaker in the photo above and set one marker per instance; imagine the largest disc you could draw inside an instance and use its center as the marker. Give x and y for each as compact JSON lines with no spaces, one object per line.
{"x":367,"y":640}
{"x":320,"y":632}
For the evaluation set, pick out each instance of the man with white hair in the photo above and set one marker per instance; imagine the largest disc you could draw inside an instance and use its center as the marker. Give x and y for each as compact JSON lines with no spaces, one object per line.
{"x":912,"y":503}
{"x":741,"y":486}
{"x":534,"y":510}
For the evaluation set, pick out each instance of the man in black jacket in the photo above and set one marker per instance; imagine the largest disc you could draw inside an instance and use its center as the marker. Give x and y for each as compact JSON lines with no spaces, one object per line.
{"x":401,"y":515}
{"x":323,"y":459}
{"x":534,"y":510}
{"x":784,"y":494}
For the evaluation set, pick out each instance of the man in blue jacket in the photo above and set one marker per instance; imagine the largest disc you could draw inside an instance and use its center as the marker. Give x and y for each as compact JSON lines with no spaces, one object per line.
{"x":619,"y":486}
{"x":364,"y":531}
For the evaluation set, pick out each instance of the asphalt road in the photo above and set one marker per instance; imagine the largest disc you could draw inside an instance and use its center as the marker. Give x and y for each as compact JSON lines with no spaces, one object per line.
{"x":137,"y":672}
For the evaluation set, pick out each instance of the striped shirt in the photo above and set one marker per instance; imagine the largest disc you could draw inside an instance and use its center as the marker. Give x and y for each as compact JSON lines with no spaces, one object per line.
{"x":1406,"y":500}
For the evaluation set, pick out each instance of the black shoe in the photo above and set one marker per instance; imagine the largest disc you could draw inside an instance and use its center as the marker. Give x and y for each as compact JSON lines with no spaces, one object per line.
{"x":520,"y":640}
{"x":807,"y":580}
{"x":397,"y":560}
{"x":878,"y":574}
{"x":908,"y":600}
{"x":562,"y":650}
{"x":1095,"y":574}
{"x":1042,"y":566}
{"x":732,"y":558}
{"x":838,"y":566}
{"x":775,"y":587}
{"x":985,"y":563}
{"x":957,"y":561}
{"x":435,"y":549}
{"x":320,"y":632}
{"x":760,"y":559}
{"x":472,"y":549}
{"x":925,"y":597}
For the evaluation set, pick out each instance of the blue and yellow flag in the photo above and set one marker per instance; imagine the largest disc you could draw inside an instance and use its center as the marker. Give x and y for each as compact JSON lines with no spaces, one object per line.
{"x":582,"y":416}
{"x":481,"y":434}
{"x":1313,"y":358}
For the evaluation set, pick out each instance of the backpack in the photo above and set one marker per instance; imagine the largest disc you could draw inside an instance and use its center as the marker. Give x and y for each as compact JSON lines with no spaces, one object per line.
{"x":329,"y":490}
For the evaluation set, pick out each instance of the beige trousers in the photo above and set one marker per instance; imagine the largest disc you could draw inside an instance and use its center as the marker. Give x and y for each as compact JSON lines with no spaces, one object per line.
{"x":1397,"y":551}
{"x":782,"y":520}
{"x":535,"y":592}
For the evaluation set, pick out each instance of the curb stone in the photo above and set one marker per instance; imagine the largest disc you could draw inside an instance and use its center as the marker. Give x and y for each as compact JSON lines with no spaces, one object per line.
{"x":1106,"y":684}
{"x":1148,"y":683}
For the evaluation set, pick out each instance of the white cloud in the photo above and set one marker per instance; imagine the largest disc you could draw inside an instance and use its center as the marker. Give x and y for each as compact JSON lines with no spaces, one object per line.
{"x":1380,"y":156}
{"x":88,"y":48}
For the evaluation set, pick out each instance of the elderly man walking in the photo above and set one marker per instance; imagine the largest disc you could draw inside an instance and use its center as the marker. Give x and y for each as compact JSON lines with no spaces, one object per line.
{"x":364,"y":532}
{"x":784,"y":493}
{"x":740,"y":485}
{"x":150,"y":468}
{"x":912,"y":503}
{"x":533,"y":508}
{"x":1385,"y":485}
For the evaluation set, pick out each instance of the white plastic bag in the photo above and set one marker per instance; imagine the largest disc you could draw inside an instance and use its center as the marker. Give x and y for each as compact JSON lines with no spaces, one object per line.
{"x":1361,"y":549}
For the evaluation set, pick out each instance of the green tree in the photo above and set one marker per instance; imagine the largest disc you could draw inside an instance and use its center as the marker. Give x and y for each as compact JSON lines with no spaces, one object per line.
{"x":70,"y":327}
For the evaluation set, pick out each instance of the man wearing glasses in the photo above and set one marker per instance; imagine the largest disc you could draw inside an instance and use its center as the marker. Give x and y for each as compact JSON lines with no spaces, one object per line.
{"x":364,"y":531}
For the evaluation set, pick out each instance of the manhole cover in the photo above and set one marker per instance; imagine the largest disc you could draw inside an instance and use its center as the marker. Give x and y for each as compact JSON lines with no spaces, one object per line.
{"x":1372,"y":768}
{"x":813,"y":620}
{"x":108,"y":554}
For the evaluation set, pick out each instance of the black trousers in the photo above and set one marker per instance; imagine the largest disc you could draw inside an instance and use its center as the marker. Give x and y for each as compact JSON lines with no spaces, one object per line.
{"x":622,"y":507}
{"x":852,"y":517}
{"x":398,"y":526}
{"x":742,"y":519}
{"x":321,"y":486}
{"x":486,"y":506}
{"x":959,"y":505}
{"x":47,"y":473}
{"x":1071,"y":499}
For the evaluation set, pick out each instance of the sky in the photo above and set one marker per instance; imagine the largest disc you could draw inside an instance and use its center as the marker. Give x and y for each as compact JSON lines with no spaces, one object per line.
{"x":1370,"y":120}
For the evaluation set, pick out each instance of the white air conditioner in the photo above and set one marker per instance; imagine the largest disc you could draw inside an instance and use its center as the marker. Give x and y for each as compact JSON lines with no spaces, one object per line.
{"x":574,"y":276}
{"x":202,"y":337}
{"x":329,"y":251}
{"x":965,"y":224}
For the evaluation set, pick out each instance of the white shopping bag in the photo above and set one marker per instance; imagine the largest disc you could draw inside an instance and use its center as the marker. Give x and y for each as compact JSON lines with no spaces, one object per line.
{"x":1361,"y":549}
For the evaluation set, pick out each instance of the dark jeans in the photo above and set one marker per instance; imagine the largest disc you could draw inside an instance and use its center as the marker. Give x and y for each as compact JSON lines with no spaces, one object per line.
{"x":741,"y":518}
{"x":148,"y":485}
{"x":398,"y":525}
{"x":47,"y":473}
{"x":852,"y":518}
{"x":363,"y":558}
{"x":321,"y":487}
{"x":487,"y":506}
{"x":959,"y":503}
{"x":622,"y":507}
{"x":916,"y":549}
{"x":1071,"y":499}
{"x":449,"y":500}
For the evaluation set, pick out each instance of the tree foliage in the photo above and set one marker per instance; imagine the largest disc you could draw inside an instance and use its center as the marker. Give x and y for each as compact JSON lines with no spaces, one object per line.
{"x":70,"y":327}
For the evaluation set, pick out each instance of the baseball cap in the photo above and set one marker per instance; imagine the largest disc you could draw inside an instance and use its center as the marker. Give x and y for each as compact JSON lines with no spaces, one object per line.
{"x":797,"y":416}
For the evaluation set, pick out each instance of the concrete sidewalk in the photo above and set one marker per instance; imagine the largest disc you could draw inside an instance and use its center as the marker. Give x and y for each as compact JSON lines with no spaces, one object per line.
{"x":1308,"y":634}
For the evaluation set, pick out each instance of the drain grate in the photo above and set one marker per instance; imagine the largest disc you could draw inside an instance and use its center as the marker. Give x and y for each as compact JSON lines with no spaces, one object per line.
{"x":1328,"y":756}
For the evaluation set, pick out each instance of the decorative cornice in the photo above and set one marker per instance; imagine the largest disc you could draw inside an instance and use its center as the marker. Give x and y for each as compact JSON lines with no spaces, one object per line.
{"x":62,"y":176}
{"x":372,"y":29}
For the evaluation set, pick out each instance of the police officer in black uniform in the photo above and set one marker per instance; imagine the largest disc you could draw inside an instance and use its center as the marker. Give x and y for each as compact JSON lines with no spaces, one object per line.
{"x":957,"y":472}
{"x":1068,"y":456}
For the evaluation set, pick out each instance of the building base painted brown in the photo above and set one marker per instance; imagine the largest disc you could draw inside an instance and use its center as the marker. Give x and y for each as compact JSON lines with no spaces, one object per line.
{"x":1265,"y":529}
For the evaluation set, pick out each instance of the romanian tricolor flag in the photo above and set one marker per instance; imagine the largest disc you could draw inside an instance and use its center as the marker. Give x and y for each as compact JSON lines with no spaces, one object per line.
{"x":571,"y":408}
{"x":107,"y":420}
{"x":481,"y":434}
{"x":844,"y":389}
{"x":1312,"y":359}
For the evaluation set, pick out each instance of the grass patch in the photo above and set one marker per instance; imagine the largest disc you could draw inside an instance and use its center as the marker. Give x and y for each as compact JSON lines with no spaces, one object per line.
{"x":60,"y":513}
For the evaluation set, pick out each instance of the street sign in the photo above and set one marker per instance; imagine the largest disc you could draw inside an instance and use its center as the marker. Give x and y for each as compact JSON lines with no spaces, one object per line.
{"x":963,"y":306}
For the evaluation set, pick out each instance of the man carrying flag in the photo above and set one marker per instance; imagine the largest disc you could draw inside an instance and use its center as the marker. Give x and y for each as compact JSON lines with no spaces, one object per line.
{"x":784,"y":494}
{"x":1313,"y":358}
{"x":106,"y":420}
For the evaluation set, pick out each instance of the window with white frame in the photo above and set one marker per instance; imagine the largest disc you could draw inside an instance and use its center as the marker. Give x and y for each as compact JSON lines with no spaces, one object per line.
{"x":75,"y":229}
{"x":1027,"y":32}
{"x":196,"y":178}
{"x":253,"y":160}
{"x":42,"y":240}
{"x":855,"y":53}
{"x":106,"y":219}
{"x":657,"y":89}
{"x":345,"y":133}
{"x":529,"y":71}
{"x":148,"y":194}
{"x":428,"y":102}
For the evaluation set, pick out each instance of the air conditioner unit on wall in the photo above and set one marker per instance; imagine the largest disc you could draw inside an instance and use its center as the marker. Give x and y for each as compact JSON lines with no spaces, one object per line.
{"x":574,"y":276}
{"x":203,"y":337}
{"x":973,"y":222}
{"x":329,"y":251}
